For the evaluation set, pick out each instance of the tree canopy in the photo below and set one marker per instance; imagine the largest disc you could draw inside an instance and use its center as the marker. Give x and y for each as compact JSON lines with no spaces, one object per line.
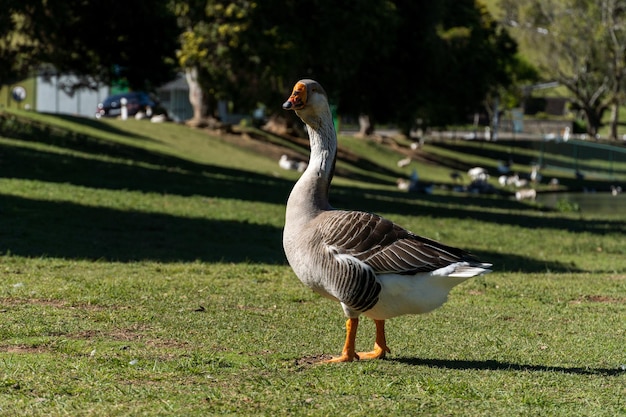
{"x":394,"y":60}
{"x":135,"y":41}
{"x":579,"y":43}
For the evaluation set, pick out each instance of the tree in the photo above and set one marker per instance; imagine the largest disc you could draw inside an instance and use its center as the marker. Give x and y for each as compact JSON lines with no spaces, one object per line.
{"x":96,"y":40}
{"x":442,"y":62}
{"x":15,"y":48}
{"x":392,"y":60}
{"x":579,"y":43}
{"x":250,"y":52}
{"x":218,"y":51}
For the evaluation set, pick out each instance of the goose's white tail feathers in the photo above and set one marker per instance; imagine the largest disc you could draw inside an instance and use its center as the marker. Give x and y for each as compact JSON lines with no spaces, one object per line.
{"x":464,"y":270}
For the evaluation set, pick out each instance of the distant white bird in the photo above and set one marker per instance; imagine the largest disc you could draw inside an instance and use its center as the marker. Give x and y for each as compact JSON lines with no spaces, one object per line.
{"x":158,"y":118}
{"x":291,"y":164}
{"x":514,"y":180}
{"x":550,"y":136}
{"x":478,"y":174}
{"x":520,"y":182}
{"x":535,"y":175}
{"x":409,"y":185}
{"x":403,"y":184}
{"x":566,"y":134}
{"x":615,"y":190}
{"x":285,"y":163}
{"x":554,"y":182}
{"x":404,"y":162}
{"x":526,"y":194}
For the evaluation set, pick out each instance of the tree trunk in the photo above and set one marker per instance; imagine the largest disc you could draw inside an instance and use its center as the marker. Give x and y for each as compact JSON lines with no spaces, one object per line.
{"x":614,"y":120}
{"x":365,"y":126}
{"x":196,"y":97}
{"x":594,"y":117}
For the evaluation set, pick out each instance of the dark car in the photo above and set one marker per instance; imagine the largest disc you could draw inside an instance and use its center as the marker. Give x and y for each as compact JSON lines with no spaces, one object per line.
{"x":137,"y":101}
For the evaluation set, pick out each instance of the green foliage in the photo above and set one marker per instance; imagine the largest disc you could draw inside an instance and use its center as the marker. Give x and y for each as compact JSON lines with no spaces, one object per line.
{"x":98,"y":40}
{"x":566,"y":205}
{"x":581,"y":44}
{"x":15,"y":48}
{"x":435,"y":60}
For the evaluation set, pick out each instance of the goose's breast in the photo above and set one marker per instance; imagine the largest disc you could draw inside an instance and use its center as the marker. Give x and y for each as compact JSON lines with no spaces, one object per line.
{"x":308,"y":261}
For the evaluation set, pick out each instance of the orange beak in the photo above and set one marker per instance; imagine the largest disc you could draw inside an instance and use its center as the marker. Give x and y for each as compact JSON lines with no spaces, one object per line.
{"x":297,"y":99}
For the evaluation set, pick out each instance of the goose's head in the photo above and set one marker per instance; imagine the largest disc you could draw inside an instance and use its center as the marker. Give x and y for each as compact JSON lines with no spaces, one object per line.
{"x":309,"y":100}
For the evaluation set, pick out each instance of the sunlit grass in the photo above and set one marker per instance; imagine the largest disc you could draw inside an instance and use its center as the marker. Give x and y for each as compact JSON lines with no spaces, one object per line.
{"x":143,"y":274}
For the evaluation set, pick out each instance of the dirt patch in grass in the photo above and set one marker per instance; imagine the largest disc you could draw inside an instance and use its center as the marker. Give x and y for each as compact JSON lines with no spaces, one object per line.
{"x":133,"y":334}
{"x":10,"y":301}
{"x":312,"y":360}
{"x":19,"y":349}
{"x":598,"y":299}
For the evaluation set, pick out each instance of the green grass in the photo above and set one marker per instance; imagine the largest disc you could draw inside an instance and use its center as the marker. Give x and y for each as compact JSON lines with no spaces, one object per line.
{"x":143,"y":274}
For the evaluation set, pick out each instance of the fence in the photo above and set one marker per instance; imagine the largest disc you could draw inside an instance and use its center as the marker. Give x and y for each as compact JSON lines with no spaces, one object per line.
{"x":587,"y":159}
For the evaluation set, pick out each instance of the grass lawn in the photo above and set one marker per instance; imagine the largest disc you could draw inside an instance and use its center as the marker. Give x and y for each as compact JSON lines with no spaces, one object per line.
{"x":143,"y":274}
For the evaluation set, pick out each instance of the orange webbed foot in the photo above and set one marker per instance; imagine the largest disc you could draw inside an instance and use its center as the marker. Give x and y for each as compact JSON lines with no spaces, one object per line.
{"x":379,"y":352}
{"x":348,"y":353}
{"x":380,"y":346}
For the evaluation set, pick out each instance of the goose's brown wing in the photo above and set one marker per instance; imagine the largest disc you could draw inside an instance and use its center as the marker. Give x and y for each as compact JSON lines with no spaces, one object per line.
{"x":385,"y":246}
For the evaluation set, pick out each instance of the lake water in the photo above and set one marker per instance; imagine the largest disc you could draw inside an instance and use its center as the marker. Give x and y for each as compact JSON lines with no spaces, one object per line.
{"x":598,"y":202}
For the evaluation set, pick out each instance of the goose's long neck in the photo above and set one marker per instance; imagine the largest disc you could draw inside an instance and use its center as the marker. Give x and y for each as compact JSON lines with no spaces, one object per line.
{"x":310,"y":194}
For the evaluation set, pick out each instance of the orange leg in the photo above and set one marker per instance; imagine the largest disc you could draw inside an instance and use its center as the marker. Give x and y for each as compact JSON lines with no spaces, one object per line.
{"x":380,"y":346}
{"x":348,"y":354}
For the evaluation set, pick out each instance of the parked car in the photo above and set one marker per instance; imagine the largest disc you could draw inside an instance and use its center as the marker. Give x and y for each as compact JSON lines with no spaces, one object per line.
{"x":136,"y":101}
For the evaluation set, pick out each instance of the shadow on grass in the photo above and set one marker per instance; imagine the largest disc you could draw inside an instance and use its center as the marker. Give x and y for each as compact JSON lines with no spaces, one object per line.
{"x":461,"y":206}
{"x":146,"y":172}
{"x":170,"y":175}
{"x":150,"y":171}
{"x":35,"y":228}
{"x":491,"y":365}
{"x":40,"y":228}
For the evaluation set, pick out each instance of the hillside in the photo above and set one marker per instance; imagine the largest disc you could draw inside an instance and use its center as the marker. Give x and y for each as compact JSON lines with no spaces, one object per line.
{"x":130,"y":185}
{"x":143,"y":274}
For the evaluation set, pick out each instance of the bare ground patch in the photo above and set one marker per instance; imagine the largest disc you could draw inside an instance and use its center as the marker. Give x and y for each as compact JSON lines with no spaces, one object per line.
{"x":598,"y":299}
{"x":11,"y":301}
{"x":22,"y":349}
{"x":312,"y":360}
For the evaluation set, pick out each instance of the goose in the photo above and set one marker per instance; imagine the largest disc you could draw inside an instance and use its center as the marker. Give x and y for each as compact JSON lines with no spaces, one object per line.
{"x":370,"y":265}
